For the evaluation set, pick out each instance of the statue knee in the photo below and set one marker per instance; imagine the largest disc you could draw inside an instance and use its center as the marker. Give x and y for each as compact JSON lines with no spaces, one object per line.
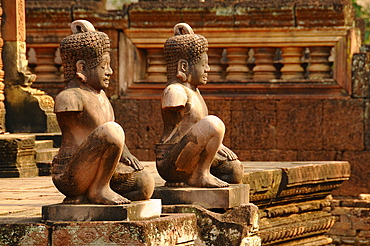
{"x":112,"y":133}
{"x":215,"y":124}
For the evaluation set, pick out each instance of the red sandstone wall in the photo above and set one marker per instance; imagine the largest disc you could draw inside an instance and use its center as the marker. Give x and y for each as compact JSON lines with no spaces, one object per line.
{"x":257,"y":129}
{"x":353,"y":224}
{"x":271,"y":130}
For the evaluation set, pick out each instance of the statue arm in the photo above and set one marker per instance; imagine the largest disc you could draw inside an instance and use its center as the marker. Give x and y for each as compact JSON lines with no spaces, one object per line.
{"x":174,"y":97}
{"x":130,"y":160}
{"x":225,"y":151}
{"x":68,"y":101}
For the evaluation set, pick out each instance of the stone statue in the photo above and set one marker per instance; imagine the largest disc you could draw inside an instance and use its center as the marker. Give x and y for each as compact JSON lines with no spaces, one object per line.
{"x":191,"y":151}
{"x":93,"y":146}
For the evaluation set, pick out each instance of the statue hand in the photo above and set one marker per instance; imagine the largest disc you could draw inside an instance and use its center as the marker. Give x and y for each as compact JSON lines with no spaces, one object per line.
{"x":133,"y":162}
{"x":224,"y":151}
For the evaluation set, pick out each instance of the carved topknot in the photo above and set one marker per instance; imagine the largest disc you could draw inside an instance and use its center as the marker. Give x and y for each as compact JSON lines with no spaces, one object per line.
{"x":79,"y":26}
{"x":182,"y":28}
{"x":84,"y":44}
{"x":183,"y":45}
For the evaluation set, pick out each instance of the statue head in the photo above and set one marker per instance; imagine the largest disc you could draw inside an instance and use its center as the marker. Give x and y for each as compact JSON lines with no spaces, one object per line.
{"x":185,"y":52}
{"x":85,"y":48}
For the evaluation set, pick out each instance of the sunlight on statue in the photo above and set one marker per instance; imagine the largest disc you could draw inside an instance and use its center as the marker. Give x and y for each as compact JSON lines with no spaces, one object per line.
{"x":93,"y":146}
{"x":191,"y":151}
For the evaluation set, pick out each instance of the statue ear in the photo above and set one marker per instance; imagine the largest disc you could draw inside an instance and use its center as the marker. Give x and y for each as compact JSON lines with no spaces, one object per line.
{"x":182,"y":69}
{"x":81,"y":70}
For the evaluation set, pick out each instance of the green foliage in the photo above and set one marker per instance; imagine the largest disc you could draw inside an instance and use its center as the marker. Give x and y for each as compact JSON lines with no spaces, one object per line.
{"x":363,"y":12}
{"x":117,"y":4}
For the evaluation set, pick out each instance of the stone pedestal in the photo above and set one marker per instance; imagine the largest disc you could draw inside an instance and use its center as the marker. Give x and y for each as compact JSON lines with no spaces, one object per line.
{"x":169,"y":229}
{"x":139,"y":210}
{"x":237,"y":226}
{"x":224,"y":198}
{"x":17,"y":156}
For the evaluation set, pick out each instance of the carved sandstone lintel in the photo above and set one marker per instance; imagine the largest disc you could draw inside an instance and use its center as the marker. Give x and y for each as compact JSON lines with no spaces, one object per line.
{"x":280,"y":229}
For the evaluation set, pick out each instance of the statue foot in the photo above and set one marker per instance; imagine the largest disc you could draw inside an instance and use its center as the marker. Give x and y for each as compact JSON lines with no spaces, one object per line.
{"x":76,"y":200}
{"x":207,"y":181}
{"x":107,"y":197}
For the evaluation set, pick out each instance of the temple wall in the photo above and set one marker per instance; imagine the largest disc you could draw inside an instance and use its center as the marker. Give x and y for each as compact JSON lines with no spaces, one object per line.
{"x":352,"y":222}
{"x":312,"y":117}
{"x":271,"y":130}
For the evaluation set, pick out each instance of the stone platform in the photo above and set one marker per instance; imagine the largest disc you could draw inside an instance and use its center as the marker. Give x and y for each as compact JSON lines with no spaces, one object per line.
{"x":224,"y":198}
{"x":138,"y":210}
{"x":170,"y":229}
{"x":281,"y":190}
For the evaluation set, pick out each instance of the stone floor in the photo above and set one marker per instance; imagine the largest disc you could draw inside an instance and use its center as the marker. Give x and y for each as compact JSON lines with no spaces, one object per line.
{"x":22,"y":198}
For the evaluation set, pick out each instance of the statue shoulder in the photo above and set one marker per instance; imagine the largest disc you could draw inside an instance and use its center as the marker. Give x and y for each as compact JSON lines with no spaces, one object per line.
{"x":69,"y":100}
{"x":174,"y":95}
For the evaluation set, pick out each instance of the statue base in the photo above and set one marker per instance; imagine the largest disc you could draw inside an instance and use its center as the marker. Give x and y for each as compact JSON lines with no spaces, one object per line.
{"x":209,"y":198}
{"x":138,"y":210}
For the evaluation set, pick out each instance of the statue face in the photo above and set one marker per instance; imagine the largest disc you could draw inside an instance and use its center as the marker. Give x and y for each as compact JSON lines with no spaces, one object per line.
{"x":98,"y":77}
{"x":198,"y":71}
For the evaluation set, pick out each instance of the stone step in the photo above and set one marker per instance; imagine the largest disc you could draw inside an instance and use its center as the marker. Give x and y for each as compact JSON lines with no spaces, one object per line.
{"x":44,"y":144}
{"x":46,"y":155}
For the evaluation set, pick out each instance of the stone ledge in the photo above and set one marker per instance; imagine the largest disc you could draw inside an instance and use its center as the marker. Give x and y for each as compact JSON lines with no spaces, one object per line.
{"x":279,"y":182}
{"x":138,"y":210}
{"x":224,"y":198}
{"x":236,"y":226}
{"x":170,"y":229}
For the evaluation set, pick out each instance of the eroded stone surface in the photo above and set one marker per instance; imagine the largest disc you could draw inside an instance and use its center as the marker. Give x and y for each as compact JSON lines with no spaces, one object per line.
{"x":274,"y":182}
{"x":171,"y":229}
{"x":233,"y":227}
{"x":17,"y":156}
{"x":24,"y":234}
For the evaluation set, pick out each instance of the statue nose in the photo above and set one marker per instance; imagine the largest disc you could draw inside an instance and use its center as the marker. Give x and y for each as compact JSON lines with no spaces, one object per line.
{"x":208,"y":68}
{"x":109,"y":71}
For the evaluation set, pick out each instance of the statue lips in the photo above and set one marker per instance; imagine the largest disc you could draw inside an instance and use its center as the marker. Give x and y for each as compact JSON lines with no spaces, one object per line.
{"x":205,"y":78}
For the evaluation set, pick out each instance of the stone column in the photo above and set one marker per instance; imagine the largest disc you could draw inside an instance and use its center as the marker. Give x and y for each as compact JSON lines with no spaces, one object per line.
{"x":46,"y":70}
{"x":214,"y":61}
{"x":292,"y":68}
{"x":264,"y":69}
{"x":27,"y":109}
{"x":319,"y":67}
{"x":156,"y":66}
{"x":237,"y":69}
